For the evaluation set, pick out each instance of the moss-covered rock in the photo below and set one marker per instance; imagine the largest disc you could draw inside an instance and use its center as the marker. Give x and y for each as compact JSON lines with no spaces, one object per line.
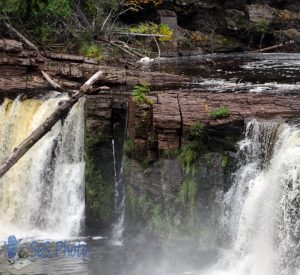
{"x":99,"y":191}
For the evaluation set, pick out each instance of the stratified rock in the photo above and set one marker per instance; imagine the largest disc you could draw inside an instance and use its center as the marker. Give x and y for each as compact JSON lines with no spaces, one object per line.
{"x":10,"y":45}
{"x":174,"y":113}
{"x":22,"y":70}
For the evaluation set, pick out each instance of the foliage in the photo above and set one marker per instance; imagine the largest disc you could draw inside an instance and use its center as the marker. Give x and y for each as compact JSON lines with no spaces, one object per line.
{"x":188,"y":193}
{"x":143,"y":207}
{"x":220,"y":113}
{"x":10,"y":6}
{"x":98,"y":192}
{"x":152,"y":28}
{"x":189,"y":154}
{"x":262,"y":26}
{"x":93,"y":141}
{"x":37,"y":8}
{"x":197,"y":131}
{"x":91,"y":50}
{"x":225,"y":161}
{"x":209,"y":157}
{"x":129,"y":148}
{"x":170,"y":153}
{"x":135,"y":5}
{"x":140,"y":93}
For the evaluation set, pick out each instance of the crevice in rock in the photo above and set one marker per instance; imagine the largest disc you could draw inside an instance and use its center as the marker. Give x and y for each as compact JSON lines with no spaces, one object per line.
{"x":181,"y":124}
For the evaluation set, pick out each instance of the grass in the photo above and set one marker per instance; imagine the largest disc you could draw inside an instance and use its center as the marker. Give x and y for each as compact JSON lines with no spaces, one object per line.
{"x":219,"y":113}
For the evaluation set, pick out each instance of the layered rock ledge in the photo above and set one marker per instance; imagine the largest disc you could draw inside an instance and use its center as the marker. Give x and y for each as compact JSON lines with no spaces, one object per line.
{"x":20,"y":70}
{"x":172,"y":115}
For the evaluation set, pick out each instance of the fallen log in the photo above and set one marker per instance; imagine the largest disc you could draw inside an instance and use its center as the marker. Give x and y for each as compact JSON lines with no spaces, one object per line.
{"x":45,"y":127}
{"x":51,"y":81}
{"x":277,"y":46}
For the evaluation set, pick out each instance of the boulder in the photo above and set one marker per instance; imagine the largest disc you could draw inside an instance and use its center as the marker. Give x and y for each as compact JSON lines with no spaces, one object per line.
{"x":258,"y":12}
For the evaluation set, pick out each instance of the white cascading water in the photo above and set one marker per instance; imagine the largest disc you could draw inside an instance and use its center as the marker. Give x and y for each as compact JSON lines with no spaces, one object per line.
{"x":262,"y":208}
{"x":119,"y":202}
{"x":42,"y":196}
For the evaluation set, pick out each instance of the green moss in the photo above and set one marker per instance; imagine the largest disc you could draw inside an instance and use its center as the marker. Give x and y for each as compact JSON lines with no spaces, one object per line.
{"x":93,"y":141}
{"x":171,"y":153}
{"x":225,"y":161}
{"x":188,"y":192}
{"x":220,"y":113}
{"x":197,"y":131}
{"x":137,"y":152}
{"x":209,"y":157}
{"x":142,"y":208}
{"x":129,"y":148}
{"x":99,"y":193}
{"x":190,"y":152}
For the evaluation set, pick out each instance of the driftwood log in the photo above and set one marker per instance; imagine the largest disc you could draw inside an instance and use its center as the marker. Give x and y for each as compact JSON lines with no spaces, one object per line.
{"x":45,"y":127}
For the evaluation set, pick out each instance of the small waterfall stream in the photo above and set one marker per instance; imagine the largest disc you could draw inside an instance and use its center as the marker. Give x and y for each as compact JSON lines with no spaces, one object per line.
{"x":42,"y":196}
{"x":119,"y":201}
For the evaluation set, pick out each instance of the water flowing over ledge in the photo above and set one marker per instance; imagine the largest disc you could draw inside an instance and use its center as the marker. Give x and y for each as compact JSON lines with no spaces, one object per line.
{"x":43,"y":195}
{"x":260,"y":222}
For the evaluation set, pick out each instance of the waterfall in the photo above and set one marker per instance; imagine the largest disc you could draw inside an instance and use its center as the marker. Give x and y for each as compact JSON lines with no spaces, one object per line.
{"x":119,"y":201}
{"x":42,"y":196}
{"x":262,"y":208}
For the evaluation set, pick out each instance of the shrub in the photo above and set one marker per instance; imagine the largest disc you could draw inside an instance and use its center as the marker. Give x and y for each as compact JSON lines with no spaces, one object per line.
{"x":91,"y":50}
{"x":151,"y":28}
{"x":262,"y":26}
{"x":140,"y":93}
{"x":135,"y":4}
{"x":221,"y":112}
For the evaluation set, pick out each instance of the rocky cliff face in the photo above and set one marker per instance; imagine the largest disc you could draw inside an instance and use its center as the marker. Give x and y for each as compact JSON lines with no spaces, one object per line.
{"x":231,"y":25}
{"x":179,"y":156}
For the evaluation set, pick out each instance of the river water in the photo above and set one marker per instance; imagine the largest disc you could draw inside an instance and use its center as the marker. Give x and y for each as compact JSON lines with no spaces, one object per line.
{"x":259,"y":225}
